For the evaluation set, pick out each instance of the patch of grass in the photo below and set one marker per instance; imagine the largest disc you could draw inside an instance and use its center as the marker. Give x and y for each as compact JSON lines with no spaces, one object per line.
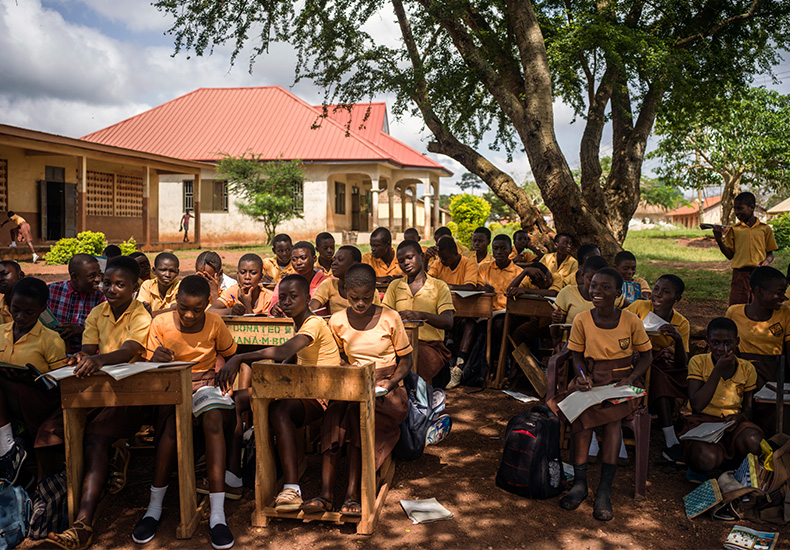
{"x":663,"y":246}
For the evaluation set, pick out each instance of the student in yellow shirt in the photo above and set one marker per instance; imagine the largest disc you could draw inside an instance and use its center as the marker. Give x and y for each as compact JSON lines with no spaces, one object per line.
{"x":325,"y":247}
{"x":144,"y":263}
{"x":24,"y":340}
{"x":561,"y":261}
{"x":574,"y":299}
{"x":313,"y":345}
{"x":116,"y":331}
{"x":481,"y":238}
{"x":535,"y":278}
{"x":496,"y":276}
{"x":382,"y":256}
{"x":432,"y":252}
{"x":721,"y":387}
{"x":420,"y":296}
{"x":634,"y":288}
{"x":582,"y":253}
{"x":10,"y":274}
{"x":331,"y":295}
{"x":208,"y":264}
{"x":749,"y":244}
{"x":159,"y":294}
{"x":278,"y":267}
{"x":247,"y":295}
{"x":522,"y":253}
{"x":411,"y":234}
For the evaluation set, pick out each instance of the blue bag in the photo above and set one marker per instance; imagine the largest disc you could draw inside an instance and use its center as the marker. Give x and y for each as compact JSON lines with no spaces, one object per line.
{"x":15,"y":511}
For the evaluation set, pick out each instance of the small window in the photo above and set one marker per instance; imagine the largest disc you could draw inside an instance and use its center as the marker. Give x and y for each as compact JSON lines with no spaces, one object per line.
{"x":340,"y":198}
{"x":220,"y":196}
{"x":188,"y":195}
{"x":55,"y":174}
{"x":297,"y":194}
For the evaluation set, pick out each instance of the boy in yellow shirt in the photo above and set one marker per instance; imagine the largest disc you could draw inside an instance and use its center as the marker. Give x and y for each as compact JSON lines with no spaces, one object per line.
{"x":522,"y":253}
{"x":634,"y":288}
{"x":278,"y":267}
{"x":159,"y":294}
{"x":382,"y":256}
{"x":325,"y":247}
{"x":561,"y":261}
{"x":432,"y":252}
{"x":481,"y":238}
{"x":10,"y":274}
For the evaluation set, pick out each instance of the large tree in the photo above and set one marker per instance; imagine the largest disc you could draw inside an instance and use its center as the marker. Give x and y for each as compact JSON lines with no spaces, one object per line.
{"x":475,"y":68}
{"x":740,"y":138}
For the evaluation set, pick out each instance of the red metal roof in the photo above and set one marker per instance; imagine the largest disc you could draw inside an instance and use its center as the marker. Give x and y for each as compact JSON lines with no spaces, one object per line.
{"x":693,"y":208}
{"x":269,"y":121}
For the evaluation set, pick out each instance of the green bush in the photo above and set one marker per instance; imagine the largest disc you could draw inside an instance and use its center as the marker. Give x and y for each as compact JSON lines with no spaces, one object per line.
{"x":468,"y":213}
{"x":87,"y":242}
{"x":127,"y":247}
{"x":781,"y":227}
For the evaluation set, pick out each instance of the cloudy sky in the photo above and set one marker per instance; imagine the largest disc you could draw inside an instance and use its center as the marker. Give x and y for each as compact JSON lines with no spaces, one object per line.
{"x":74,"y":66}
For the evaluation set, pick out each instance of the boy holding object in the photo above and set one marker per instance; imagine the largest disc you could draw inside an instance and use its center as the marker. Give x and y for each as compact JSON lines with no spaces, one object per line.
{"x":159,"y":294}
{"x":247,"y":295}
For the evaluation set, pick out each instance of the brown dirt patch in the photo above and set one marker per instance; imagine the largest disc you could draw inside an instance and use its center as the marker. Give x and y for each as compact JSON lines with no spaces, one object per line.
{"x":700,"y":242}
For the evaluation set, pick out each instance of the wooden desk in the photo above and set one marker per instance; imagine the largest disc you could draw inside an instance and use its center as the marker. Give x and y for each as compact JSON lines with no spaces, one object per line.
{"x":413,"y":330}
{"x":478,"y":306}
{"x":167,"y":386}
{"x":259,"y":331}
{"x":275,"y":381}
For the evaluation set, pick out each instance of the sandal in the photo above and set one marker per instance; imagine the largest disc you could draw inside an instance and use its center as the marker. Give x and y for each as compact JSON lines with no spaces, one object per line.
{"x":70,"y":538}
{"x":317,"y":505}
{"x":349,"y":505}
{"x":119,"y":465}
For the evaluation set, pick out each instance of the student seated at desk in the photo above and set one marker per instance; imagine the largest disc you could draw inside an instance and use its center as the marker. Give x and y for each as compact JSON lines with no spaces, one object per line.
{"x":314,"y":345}
{"x":562,"y":261}
{"x":382,"y":256}
{"x":159,"y":294}
{"x":522,"y":253}
{"x":432,"y":252}
{"x":247,"y":295}
{"x":144,"y":263}
{"x":331,"y":293}
{"x":634,"y":288}
{"x":325,"y":247}
{"x":10,"y":274}
{"x":303,"y":261}
{"x":209,"y":265}
{"x":609,"y":345}
{"x":574,"y":299}
{"x":190,"y":333}
{"x":115,"y":332}
{"x":24,"y":341}
{"x":535,"y":279}
{"x":364,"y":333}
{"x":419,"y":296}
{"x":278,"y":267}
{"x":496,"y":276}
{"x":721,"y":387}
{"x":71,"y":301}
{"x":481,"y":239}
{"x":582,"y":253}
{"x":669,"y":371}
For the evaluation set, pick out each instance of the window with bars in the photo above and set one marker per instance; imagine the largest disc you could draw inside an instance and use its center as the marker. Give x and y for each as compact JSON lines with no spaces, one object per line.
{"x":340,"y":198}
{"x":220,"y":196}
{"x":297,"y":194}
{"x":188,"y":195}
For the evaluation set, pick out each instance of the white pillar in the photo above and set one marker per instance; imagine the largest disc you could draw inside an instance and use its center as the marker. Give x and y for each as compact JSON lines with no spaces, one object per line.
{"x":403,"y":220}
{"x":375,"y":190}
{"x":427,"y":233}
{"x":436,"y":204}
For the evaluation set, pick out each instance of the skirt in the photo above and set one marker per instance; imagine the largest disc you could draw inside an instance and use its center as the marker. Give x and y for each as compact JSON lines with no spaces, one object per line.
{"x":432,"y":356}
{"x":726,"y":443}
{"x":667,"y":380}
{"x":740,"y":290}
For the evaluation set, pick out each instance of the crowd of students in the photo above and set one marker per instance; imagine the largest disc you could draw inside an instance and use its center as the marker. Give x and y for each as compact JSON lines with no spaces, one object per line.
{"x":133,"y":311}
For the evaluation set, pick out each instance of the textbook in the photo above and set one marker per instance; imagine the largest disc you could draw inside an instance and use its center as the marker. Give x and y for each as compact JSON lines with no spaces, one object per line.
{"x":702,"y":499}
{"x":32,"y":370}
{"x":743,"y":538}
{"x":467,"y":293}
{"x":49,"y":320}
{"x":425,"y":511}
{"x":210,"y":397}
{"x":579,"y":401}
{"x":709,"y":432}
{"x":118,"y":372}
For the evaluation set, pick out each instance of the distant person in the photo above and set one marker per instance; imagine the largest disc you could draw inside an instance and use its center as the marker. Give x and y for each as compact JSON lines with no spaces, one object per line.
{"x":112,"y":251}
{"x":21,"y":232}
{"x":185,"y":224}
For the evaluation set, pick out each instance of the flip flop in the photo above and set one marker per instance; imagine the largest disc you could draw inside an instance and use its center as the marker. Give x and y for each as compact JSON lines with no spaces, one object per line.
{"x":349,"y":503}
{"x":317,"y":505}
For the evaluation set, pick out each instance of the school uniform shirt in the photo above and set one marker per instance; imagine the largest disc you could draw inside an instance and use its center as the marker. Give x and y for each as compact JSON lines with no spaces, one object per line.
{"x":641,"y":308}
{"x":230,"y":297}
{"x":201,"y":347}
{"x":149,"y":292}
{"x":761,"y":337}
{"x":487,"y":260}
{"x":728,"y":397}
{"x":326,"y":270}
{"x":275,"y":270}
{"x":318,"y":278}
{"x":322,"y":350}
{"x":606,"y":344}
{"x":380,"y":345}
{"x":526,"y":256}
{"x":500,"y":279}
{"x":434,"y":297}
{"x":41,"y":347}
{"x":17,"y":219}
{"x":104,"y":330}
{"x":328,"y":294}
{"x":381,"y":267}
{"x":465,"y":273}
{"x":567,"y":269}
{"x":556,"y":286}
{"x":5,"y":311}
{"x":750,"y":244}
{"x":570,"y":301}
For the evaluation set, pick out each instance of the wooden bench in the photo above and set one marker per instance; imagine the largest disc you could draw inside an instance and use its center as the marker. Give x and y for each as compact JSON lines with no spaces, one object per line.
{"x":350,"y":383}
{"x":166,"y":386}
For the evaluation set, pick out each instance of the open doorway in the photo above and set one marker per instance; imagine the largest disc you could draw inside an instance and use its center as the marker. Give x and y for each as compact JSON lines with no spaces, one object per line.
{"x":58,"y":205}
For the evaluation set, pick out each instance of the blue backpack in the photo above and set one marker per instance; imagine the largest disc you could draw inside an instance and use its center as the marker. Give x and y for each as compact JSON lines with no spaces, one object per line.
{"x":15,"y":511}
{"x":425,"y":405}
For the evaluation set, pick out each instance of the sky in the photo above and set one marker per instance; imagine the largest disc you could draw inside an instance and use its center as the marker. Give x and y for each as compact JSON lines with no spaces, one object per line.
{"x":71,"y":67}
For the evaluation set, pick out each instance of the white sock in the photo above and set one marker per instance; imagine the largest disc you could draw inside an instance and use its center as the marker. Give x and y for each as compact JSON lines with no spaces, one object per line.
{"x":294,"y":486}
{"x":670,"y":436}
{"x":593,"y":446}
{"x":231,"y":479}
{"x":217,"y":502}
{"x":6,"y":439}
{"x":155,"y":504}
{"x":623,"y":452}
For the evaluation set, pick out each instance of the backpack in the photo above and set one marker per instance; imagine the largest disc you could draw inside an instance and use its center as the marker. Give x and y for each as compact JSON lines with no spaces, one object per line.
{"x":425,"y":404}
{"x":50,"y":507}
{"x":15,"y":511}
{"x":531,"y":465}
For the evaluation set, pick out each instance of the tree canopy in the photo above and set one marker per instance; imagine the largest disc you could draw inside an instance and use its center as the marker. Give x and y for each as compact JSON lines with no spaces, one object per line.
{"x":490,"y":70}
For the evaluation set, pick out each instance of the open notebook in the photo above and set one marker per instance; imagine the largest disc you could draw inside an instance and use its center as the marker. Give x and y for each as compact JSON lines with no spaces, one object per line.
{"x":118,"y":372}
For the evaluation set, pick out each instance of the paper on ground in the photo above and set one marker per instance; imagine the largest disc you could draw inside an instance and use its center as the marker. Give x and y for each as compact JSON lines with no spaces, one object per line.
{"x":579,"y":401}
{"x":653,"y":322}
{"x":425,"y":511}
{"x":710,"y":432}
{"x":467,"y":293}
{"x":520,"y":396}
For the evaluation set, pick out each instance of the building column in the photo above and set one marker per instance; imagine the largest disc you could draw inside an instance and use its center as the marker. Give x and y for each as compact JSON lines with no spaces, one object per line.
{"x":146,"y":213}
{"x":404,"y":221}
{"x":391,"y":204}
{"x":374,"y":207}
{"x":414,"y":207}
{"x":196,"y":204}
{"x":427,"y":233}
{"x":436,"y":205}
{"x":82,"y":196}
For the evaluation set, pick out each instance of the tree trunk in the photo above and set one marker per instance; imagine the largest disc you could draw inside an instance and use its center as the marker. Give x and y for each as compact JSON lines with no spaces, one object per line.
{"x":730,"y":190}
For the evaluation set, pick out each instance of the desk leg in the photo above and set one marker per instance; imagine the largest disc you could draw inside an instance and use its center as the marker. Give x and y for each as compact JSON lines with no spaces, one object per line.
{"x":266,"y":470}
{"x":187,"y":497}
{"x":367,"y":428}
{"x":489,"y":325}
{"x":415,"y":356}
{"x":503,"y":349}
{"x":74,"y":428}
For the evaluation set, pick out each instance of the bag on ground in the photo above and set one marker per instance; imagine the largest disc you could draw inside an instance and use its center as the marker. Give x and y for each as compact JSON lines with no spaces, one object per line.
{"x":50,"y":507}
{"x":15,"y":511}
{"x":425,"y":405}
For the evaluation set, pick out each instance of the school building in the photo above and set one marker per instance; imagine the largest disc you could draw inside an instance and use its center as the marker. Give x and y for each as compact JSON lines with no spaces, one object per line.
{"x":355,"y":171}
{"x":689,"y":216}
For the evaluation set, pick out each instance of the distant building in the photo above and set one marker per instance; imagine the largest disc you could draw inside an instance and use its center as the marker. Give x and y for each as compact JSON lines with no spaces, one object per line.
{"x":688,"y":216}
{"x":649,"y":213}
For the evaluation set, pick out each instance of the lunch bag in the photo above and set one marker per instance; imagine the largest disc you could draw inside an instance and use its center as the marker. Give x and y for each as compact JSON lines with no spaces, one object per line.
{"x":531,"y":465}
{"x":15,"y":511}
{"x":425,"y":405}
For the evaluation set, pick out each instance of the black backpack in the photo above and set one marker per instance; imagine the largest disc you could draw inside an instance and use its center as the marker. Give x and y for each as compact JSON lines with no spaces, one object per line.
{"x":425,"y":405}
{"x":531,"y":465}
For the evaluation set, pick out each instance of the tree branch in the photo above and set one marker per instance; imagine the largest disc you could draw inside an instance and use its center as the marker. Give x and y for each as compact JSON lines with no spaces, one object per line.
{"x":689,"y":40}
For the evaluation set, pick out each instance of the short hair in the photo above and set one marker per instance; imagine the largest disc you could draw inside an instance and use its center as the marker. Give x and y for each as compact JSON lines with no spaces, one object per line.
{"x":324,"y":236}
{"x":137,"y":254}
{"x":356,"y":255}
{"x":447,"y":244}
{"x":558,"y":235}
{"x":304,"y":245}
{"x":538,"y":265}
{"x":594,"y":263}
{"x":166,"y":256}
{"x":517,"y":231}
{"x":722,"y":323}
{"x":764,"y":275}
{"x":585,"y":251}
{"x":483,"y":231}
{"x":195,"y":286}
{"x":502,"y":237}
{"x":281,"y":238}
{"x":12,"y":264}
{"x":252,"y":257}
{"x":10,"y":213}
{"x":745,"y":198}
{"x":624,"y":256}
{"x":112,"y":251}
{"x":126,"y":264}
{"x":30,"y":287}
{"x":413,"y":232}
{"x":382,"y":233}
{"x":675,"y":282}
{"x":442,"y":232}
{"x":614,"y":274}
{"x":209,"y":258}
{"x":414,"y":245}
{"x":361,"y":276}
{"x":299,"y":281}
{"x":79,"y":260}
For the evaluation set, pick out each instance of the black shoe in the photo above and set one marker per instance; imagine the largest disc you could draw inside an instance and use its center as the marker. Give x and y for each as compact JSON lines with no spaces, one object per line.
{"x":221,"y":537}
{"x":145,"y":530}
{"x":725,"y":513}
{"x":673,"y":453}
{"x":11,"y":462}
